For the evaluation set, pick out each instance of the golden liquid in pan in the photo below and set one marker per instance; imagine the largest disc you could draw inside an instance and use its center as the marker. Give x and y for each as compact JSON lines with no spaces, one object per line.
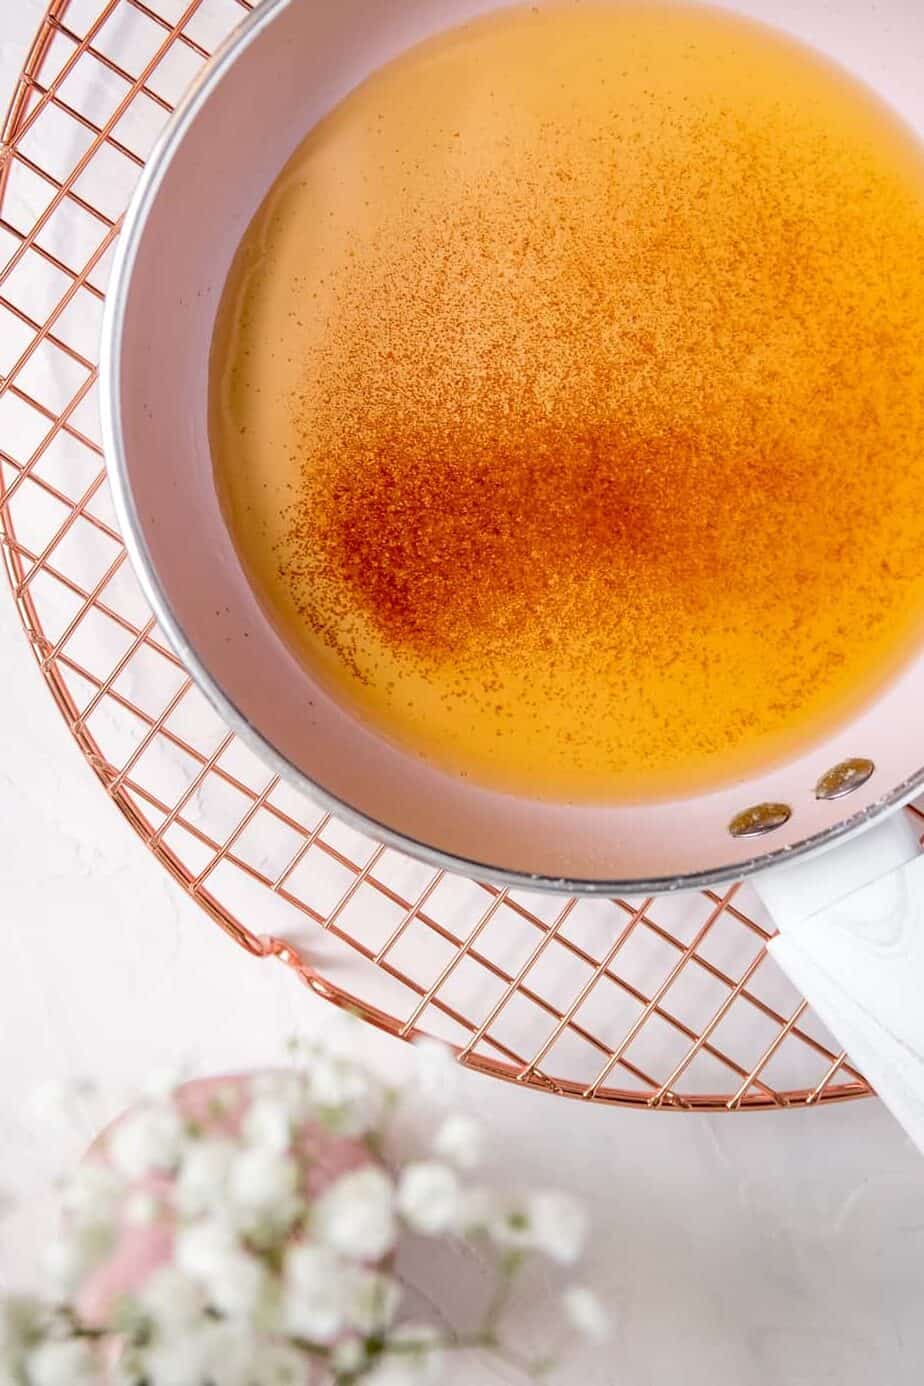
{"x":568,"y":399}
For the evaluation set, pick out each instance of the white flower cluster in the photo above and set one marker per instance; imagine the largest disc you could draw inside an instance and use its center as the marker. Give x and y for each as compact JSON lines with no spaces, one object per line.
{"x":281,"y":1224}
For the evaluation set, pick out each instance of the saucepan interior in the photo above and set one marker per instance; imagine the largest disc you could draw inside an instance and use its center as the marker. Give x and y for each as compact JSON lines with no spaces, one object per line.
{"x":287,"y":65}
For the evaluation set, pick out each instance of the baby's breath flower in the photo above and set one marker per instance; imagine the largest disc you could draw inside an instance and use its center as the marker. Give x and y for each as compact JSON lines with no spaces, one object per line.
{"x":478,"y":1208}
{"x":143,"y":1209}
{"x":65,"y":1262}
{"x":586,"y":1313}
{"x":203,"y":1249}
{"x":373,"y":1301}
{"x":280,"y":1364}
{"x":181,"y":1359}
{"x":459,"y":1140}
{"x":412,"y":1357}
{"x":316,"y":1294}
{"x":348,"y":1356}
{"x":429,"y":1197}
{"x":263,"y":1182}
{"x":267,"y":1125}
{"x":333,"y":1081}
{"x":236,"y":1353}
{"x":202,"y":1182}
{"x":552,"y":1223}
{"x":92,"y":1196}
{"x":349,"y":1099}
{"x":224,"y":1100}
{"x":173,"y":1301}
{"x":355,"y":1217}
{"x":286,"y":1090}
{"x":148,"y":1140}
{"x":238,"y":1286}
{"x":559,"y":1226}
{"x":70,"y":1362}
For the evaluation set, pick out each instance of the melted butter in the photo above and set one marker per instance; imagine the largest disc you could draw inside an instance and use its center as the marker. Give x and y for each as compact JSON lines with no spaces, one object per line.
{"x":568,"y":399}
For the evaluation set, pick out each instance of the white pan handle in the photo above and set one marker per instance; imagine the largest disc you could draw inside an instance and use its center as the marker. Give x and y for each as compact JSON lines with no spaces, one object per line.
{"x":851,"y":939}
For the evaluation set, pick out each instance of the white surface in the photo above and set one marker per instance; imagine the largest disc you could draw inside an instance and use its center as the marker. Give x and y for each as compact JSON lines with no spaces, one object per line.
{"x":749,"y":1250}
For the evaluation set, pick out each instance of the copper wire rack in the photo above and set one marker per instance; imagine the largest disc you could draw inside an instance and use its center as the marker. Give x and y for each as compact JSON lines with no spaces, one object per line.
{"x":670,"y":1002}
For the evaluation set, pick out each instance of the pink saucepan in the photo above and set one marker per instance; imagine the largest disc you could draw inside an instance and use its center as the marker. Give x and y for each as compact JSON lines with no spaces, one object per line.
{"x":845,"y":903}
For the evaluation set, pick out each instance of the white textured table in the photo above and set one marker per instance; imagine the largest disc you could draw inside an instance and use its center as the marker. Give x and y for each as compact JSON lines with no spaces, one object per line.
{"x":757,"y":1250}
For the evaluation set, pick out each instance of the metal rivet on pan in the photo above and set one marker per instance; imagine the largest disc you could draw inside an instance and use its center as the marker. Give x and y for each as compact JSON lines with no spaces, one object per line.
{"x":762,"y":818}
{"x":844,"y":778}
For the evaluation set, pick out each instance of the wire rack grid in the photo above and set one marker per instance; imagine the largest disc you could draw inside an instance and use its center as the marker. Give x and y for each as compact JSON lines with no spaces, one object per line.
{"x":658,"y":1003}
